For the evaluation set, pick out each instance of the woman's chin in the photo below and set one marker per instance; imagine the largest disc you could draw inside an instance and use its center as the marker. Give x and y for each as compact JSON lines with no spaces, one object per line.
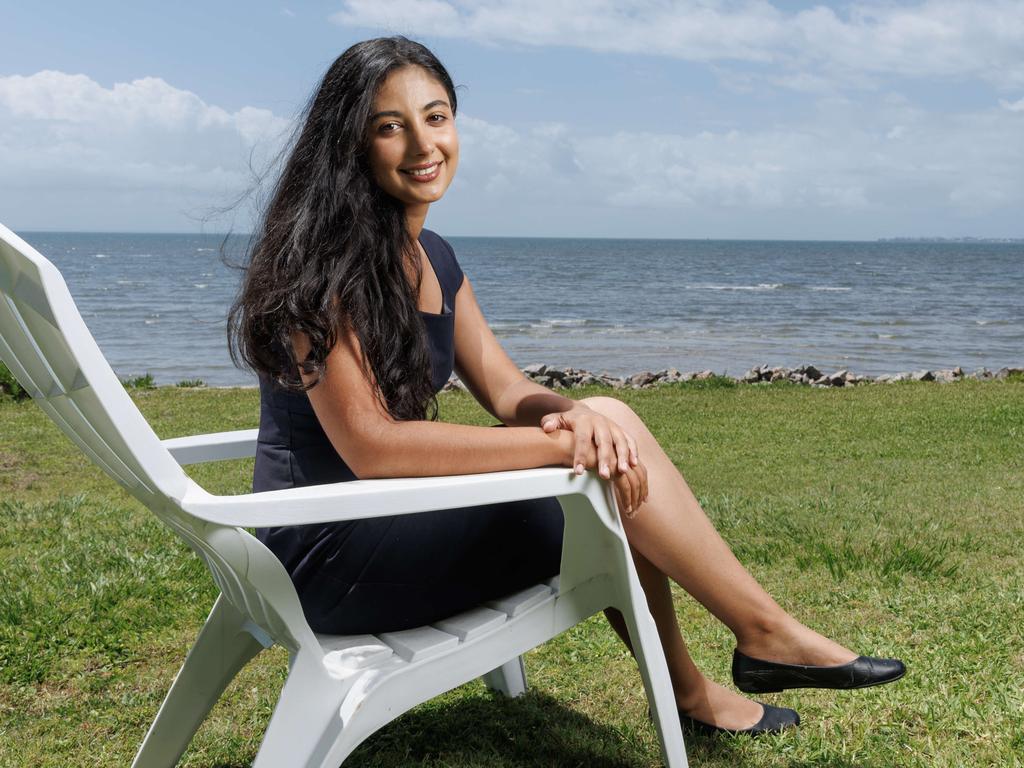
{"x":430,"y":194}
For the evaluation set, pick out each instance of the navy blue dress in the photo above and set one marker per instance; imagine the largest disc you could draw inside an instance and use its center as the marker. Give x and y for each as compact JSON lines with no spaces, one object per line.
{"x":393,"y":573}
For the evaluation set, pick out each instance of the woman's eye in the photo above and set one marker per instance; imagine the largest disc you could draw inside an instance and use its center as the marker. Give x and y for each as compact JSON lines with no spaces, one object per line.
{"x":388,"y":127}
{"x":438,"y":117}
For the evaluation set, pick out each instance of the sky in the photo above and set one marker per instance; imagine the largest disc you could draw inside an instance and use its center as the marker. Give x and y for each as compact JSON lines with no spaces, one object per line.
{"x":642,"y":118}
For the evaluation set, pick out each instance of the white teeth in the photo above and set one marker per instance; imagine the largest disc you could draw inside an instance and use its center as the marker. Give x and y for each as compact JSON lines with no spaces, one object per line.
{"x":423,"y":171}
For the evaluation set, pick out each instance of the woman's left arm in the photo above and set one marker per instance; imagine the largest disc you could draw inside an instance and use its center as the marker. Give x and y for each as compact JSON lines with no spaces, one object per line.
{"x":501,"y":388}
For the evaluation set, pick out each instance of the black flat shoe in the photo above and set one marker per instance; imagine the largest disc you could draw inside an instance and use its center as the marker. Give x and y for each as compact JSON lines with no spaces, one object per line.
{"x":758,"y":676}
{"x":774,"y":720}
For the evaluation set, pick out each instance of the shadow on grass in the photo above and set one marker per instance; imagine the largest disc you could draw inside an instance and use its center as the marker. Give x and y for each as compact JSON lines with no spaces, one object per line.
{"x":490,"y":730}
{"x":537,"y":730}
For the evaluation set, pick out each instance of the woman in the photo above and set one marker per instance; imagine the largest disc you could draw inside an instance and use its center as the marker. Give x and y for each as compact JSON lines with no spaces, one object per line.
{"x":354,"y":316}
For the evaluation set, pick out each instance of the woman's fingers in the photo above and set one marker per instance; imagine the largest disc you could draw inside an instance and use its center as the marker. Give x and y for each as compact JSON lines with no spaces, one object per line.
{"x":622,"y":450}
{"x":636,"y":485}
{"x":605,"y":452}
{"x":584,"y":436}
{"x":627,"y":485}
{"x":634,"y":450}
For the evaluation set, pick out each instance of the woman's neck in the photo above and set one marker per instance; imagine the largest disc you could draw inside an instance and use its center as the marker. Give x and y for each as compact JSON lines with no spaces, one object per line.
{"x":415,"y":217}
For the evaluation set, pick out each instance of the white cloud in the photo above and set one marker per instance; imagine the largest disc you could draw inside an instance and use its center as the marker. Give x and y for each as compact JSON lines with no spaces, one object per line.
{"x":76,"y":154}
{"x":1013,"y":106}
{"x":957,"y":39}
{"x":164,"y":143}
{"x":847,"y":160}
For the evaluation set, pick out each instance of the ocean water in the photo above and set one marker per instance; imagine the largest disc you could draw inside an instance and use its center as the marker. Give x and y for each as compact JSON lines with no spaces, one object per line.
{"x":156,"y":303}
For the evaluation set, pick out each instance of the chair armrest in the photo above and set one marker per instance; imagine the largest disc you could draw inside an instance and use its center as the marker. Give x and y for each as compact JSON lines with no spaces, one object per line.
{"x":215,"y":446}
{"x":360,"y":499}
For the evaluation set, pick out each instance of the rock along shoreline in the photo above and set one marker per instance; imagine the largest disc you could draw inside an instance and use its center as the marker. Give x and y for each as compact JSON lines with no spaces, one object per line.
{"x":555,"y":377}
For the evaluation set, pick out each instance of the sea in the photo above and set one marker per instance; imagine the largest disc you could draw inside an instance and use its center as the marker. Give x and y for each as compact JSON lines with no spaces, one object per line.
{"x":156,"y":303}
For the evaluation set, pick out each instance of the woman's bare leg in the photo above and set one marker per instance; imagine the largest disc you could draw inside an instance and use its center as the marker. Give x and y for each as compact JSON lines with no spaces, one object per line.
{"x":695,"y":694}
{"x":674,"y":537}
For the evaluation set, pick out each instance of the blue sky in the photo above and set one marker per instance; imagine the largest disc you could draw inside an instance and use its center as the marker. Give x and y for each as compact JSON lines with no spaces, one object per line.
{"x":648,"y":118}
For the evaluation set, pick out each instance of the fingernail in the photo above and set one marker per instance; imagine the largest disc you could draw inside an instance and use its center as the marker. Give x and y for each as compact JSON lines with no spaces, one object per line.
{"x":579,"y":469}
{"x":604,"y":470}
{"x":629,"y":510}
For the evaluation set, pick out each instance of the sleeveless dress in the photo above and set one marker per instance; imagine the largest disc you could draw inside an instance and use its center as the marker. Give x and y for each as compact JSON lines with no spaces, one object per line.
{"x":393,"y":573}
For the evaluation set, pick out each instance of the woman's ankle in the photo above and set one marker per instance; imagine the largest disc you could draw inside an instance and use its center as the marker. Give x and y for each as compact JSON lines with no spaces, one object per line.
{"x":720,"y":706}
{"x":693,"y":698}
{"x":791,"y":642}
{"x":766,"y":633}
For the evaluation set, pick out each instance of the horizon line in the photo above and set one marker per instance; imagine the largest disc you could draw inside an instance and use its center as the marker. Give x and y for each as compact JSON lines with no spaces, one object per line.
{"x":991,"y":239}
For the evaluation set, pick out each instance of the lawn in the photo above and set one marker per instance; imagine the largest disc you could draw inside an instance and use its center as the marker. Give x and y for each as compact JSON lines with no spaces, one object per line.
{"x":888,"y":516}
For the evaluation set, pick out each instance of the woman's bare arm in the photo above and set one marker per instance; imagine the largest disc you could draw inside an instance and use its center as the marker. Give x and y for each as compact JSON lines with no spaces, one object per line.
{"x":488,"y":372}
{"x":375,"y":445}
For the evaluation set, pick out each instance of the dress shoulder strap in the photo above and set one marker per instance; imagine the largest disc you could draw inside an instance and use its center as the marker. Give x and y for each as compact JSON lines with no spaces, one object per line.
{"x":442,"y":257}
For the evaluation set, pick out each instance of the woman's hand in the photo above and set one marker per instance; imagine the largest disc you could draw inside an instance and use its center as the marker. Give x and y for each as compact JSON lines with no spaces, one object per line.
{"x":602,"y":444}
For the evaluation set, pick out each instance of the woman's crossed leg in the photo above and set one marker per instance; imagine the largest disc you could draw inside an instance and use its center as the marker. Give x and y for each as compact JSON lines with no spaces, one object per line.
{"x":671,"y":537}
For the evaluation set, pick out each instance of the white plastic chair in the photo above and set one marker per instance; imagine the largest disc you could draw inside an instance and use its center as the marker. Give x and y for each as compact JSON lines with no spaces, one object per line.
{"x":340,"y":689}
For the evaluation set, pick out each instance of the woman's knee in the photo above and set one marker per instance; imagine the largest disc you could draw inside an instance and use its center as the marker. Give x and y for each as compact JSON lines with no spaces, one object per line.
{"x":614,"y":409}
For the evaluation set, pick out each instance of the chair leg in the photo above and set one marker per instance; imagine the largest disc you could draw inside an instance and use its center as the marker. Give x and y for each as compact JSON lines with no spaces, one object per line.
{"x":509,"y":678}
{"x":306,"y":724}
{"x":220,"y":651}
{"x":650,"y":659}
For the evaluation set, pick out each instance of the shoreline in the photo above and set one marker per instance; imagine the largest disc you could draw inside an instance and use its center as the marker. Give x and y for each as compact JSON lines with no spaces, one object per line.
{"x":568,"y":377}
{"x":555,"y":377}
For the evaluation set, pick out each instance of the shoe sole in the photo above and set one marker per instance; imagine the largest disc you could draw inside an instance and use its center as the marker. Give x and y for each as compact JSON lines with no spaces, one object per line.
{"x":697,"y":726}
{"x":824,"y":687}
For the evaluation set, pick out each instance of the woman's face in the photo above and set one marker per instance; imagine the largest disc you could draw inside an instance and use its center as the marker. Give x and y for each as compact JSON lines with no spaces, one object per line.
{"x":414,"y":148}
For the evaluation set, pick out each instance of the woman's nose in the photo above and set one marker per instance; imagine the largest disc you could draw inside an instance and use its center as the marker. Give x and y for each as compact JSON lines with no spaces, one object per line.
{"x":421,"y":140}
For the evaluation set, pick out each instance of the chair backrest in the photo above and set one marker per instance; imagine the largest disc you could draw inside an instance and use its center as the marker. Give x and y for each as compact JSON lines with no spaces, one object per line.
{"x":46,"y":345}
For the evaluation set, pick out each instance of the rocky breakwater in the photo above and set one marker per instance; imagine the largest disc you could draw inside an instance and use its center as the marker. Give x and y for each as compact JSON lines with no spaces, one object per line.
{"x":555,"y":377}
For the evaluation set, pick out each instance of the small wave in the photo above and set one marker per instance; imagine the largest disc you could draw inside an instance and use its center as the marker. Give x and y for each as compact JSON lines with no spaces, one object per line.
{"x":150,"y":322}
{"x":99,"y":255}
{"x":991,"y":322}
{"x":829,"y":288}
{"x":200,"y":285}
{"x":886,"y":335}
{"x":560,"y":322}
{"x":758,"y":287}
{"x":130,"y":282}
{"x":205,"y":250}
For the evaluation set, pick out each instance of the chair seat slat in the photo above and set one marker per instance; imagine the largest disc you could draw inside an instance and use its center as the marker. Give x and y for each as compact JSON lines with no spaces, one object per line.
{"x":417,"y":644}
{"x":516,"y":603}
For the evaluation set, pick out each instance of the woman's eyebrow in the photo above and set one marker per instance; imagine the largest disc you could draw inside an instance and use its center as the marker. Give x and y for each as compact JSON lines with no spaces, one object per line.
{"x":396,"y":113}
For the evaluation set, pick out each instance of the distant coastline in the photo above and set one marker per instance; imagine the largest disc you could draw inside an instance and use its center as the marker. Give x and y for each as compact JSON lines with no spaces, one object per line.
{"x":985,"y":240}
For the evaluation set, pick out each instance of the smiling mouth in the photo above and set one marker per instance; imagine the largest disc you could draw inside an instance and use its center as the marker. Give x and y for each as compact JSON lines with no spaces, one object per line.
{"x":424,"y":172}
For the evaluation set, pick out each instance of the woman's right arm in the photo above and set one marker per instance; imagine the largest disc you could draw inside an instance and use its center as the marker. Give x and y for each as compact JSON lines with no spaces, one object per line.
{"x":373,"y":444}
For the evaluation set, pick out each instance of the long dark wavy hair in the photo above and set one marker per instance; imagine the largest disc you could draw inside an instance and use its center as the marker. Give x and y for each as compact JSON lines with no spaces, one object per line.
{"x":332,"y":253}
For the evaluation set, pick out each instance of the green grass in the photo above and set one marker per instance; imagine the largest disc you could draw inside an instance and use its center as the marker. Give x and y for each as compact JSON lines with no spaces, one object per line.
{"x":890,"y":517}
